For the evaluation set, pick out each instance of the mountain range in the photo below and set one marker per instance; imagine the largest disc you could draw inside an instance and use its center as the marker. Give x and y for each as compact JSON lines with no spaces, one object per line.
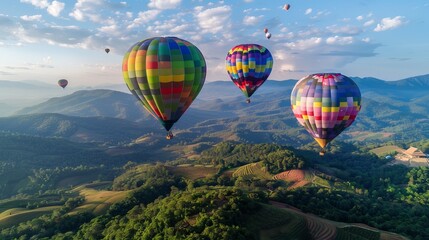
{"x":391,"y":110}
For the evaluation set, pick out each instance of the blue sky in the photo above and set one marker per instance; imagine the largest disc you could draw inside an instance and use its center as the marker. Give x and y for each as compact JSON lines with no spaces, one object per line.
{"x":47,"y":40}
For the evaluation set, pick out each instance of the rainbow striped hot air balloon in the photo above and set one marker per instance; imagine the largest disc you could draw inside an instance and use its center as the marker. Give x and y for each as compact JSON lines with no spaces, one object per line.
{"x":248,"y":66}
{"x":325,"y":104}
{"x":165,"y":74}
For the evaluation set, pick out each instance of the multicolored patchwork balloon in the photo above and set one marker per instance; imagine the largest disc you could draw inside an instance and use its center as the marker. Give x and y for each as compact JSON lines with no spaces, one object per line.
{"x":63,"y":83}
{"x":165,"y":74}
{"x":248,"y":66}
{"x":325,"y":104}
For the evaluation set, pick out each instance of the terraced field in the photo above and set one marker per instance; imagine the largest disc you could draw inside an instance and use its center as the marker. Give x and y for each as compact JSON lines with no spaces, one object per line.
{"x":320,"y":229}
{"x":253,"y":169}
{"x":270,"y":223}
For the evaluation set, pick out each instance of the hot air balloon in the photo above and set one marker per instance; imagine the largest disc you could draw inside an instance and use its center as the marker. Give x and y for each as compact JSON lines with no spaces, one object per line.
{"x":165,"y":74}
{"x":63,"y":83}
{"x":325,"y":104}
{"x":107,"y":50}
{"x":286,"y":7}
{"x":268,"y":35}
{"x":248,"y":66}
{"x":265,"y":30}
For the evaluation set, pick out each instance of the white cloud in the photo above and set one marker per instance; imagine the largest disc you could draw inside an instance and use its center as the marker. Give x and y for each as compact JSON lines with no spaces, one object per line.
{"x":87,"y":9}
{"x":351,"y":30}
{"x":164,"y":4}
{"x":369,"y":23}
{"x":389,"y":23}
{"x":251,"y":20}
{"x":359,"y":18}
{"x":37,"y":3}
{"x":31,"y":18}
{"x":111,"y":29}
{"x":55,"y":8}
{"x":248,"y":1}
{"x":308,"y":11}
{"x":213,"y":20}
{"x":336,"y":40}
{"x":366,"y":39}
{"x":144,"y":17}
{"x":304,"y":44}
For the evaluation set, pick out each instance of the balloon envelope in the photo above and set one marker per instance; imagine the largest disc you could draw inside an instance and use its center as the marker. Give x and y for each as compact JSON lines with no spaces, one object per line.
{"x":265,"y":30}
{"x":62,"y":83}
{"x":248,"y":66}
{"x":107,"y":50}
{"x":286,"y":7}
{"x":325,"y":104}
{"x":165,"y":74}
{"x":268,"y":35}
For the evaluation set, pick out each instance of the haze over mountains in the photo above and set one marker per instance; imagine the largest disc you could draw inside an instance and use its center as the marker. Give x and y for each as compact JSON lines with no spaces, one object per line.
{"x":390,"y":110}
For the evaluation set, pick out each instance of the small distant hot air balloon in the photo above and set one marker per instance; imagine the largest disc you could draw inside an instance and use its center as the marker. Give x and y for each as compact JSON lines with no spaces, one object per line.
{"x":265,"y":30}
{"x":165,"y":74}
{"x":248,"y":66}
{"x":325,"y":104}
{"x":107,"y":50}
{"x":268,"y":35}
{"x":63,"y":83}
{"x":286,"y":7}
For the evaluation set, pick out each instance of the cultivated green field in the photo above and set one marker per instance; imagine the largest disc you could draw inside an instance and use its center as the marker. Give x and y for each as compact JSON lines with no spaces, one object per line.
{"x":386,"y":150}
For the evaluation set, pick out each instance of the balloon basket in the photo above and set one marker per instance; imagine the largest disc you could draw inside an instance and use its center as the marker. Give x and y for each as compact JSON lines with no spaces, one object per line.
{"x":169,"y":135}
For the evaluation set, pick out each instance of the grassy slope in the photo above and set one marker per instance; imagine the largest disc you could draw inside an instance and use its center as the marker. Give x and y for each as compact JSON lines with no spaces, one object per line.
{"x":16,"y":215}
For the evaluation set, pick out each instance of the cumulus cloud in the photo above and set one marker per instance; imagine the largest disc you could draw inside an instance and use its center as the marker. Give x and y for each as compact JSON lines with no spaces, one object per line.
{"x":389,"y":23}
{"x":339,"y":40}
{"x":359,"y":18}
{"x":304,"y":44}
{"x":369,"y":23}
{"x":213,"y":20}
{"x":164,"y":4}
{"x":87,"y":9}
{"x":252,"y":20}
{"x":144,"y":17}
{"x":308,"y":11}
{"x":55,"y":8}
{"x":31,"y":18}
{"x":367,"y":39}
{"x":37,"y":3}
{"x":350,"y":30}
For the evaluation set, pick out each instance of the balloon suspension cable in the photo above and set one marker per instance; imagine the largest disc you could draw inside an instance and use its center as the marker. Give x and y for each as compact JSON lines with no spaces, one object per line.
{"x":169,"y":135}
{"x":248,"y":100}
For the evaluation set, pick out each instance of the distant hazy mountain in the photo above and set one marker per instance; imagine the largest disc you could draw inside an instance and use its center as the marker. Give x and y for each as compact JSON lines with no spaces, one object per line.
{"x":391,"y":110}
{"x":91,"y":103}
{"x":80,"y":129}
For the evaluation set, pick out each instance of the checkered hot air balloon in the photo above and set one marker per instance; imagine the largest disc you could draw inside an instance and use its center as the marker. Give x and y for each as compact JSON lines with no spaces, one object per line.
{"x":248,"y":66}
{"x":165,"y":74}
{"x":325,"y":104}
